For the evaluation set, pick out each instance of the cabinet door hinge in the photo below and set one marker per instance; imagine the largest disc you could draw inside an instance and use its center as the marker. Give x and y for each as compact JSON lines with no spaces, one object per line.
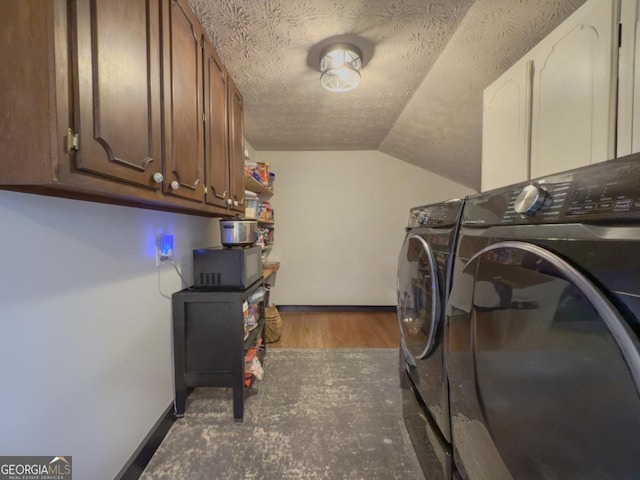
{"x":73,"y":141}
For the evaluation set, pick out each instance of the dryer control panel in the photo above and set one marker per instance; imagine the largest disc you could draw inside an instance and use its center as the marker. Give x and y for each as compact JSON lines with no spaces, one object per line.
{"x":616,"y":196}
{"x":604,"y":192}
{"x":437,"y":215}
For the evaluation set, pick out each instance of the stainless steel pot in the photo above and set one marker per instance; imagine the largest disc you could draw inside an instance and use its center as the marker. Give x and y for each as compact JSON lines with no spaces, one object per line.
{"x":238,"y":232}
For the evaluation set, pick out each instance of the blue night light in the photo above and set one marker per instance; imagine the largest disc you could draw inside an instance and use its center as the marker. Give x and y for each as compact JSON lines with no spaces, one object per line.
{"x":166,"y":246}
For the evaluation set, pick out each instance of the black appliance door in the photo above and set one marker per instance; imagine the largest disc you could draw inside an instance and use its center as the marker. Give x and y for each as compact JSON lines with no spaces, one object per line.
{"x":418,"y":298}
{"x":544,"y":373}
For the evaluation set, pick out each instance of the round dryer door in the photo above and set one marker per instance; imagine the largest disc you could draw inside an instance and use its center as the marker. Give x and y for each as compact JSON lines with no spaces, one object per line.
{"x":544,"y":371}
{"x":418,"y":297}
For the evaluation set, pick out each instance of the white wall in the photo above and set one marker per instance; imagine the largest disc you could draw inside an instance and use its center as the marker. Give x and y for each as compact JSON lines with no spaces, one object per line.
{"x":340,"y":219}
{"x":250,"y":150}
{"x":85,"y":314}
{"x":85,"y":326}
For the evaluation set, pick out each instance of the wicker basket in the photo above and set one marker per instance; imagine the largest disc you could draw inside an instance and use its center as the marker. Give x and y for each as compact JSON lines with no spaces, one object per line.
{"x":273,"y":324}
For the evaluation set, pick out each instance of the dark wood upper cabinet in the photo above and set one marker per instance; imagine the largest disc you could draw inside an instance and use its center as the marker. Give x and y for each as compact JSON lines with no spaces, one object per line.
{"x":216,"y":142}
{"x":115,"y":48}
{"x":183,"y":103}
{"x":236,"y":145}
{"x":105,"y":100}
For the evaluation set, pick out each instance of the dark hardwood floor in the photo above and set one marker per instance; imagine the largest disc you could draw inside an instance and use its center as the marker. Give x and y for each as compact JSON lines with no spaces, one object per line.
{"x":338,"y":330}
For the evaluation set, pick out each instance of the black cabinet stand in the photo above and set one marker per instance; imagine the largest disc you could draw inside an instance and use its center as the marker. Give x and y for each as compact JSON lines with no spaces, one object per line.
{"x":209,"y":347}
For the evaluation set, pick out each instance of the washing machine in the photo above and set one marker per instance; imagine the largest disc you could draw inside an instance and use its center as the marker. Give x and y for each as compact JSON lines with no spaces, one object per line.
{"x":543,"y":327}
{"x":423,"y":283}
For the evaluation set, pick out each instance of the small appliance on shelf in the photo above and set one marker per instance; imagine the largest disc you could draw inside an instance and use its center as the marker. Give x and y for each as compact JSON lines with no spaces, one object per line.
{"x":238,"y":232}
{"x":226,"y":268}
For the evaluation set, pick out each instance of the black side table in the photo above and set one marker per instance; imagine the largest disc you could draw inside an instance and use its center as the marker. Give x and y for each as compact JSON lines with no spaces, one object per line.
{"x":209,"y":347}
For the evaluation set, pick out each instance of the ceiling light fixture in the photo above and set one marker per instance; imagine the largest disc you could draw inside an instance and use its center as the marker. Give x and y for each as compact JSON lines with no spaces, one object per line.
{"x":340,"y":65}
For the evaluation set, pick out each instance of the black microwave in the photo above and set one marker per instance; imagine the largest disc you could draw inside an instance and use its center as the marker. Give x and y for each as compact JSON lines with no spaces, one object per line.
{"x":226,"y":267}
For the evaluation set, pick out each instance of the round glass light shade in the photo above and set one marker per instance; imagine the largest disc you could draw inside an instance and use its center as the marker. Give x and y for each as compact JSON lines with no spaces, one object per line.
{"x":340,"y":65}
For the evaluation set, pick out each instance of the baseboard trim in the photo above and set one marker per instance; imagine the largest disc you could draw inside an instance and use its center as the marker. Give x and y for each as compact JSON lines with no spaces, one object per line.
{"x":142,"y":455}
{"x":336,"y":308}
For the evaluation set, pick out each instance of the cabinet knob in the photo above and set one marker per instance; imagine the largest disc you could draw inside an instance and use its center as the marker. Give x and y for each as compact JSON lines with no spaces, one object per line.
{"x":530,"y":200}
{"x":235,"y":203}
{"x":158,"y":177}
{"x":229,"y":202}
{"x":174,"y":185}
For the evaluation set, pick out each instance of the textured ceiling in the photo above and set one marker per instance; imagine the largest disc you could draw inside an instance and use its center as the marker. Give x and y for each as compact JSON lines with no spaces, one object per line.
{"x":426,"y":64}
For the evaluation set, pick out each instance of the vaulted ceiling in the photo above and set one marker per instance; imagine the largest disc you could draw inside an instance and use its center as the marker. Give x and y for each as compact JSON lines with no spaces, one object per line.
{"x":426,"y":64}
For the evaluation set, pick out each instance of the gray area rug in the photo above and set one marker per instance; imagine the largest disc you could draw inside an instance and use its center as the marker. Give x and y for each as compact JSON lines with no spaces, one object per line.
{"x":316,"y":414}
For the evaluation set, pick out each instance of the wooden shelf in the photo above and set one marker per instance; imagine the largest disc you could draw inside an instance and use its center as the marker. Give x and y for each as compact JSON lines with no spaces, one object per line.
{"x":253,"y":185}
{"x":263,"y":222}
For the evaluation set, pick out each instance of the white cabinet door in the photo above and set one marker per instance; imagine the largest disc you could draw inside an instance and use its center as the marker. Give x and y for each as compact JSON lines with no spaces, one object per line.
{"x":574,"y":91}
{"x":629,"y":80}
{"x":635,"y":142}
{"x":506,"y":128}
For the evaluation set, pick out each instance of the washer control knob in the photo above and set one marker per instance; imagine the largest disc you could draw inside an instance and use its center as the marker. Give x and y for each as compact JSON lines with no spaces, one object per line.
{"x":531,"y":198}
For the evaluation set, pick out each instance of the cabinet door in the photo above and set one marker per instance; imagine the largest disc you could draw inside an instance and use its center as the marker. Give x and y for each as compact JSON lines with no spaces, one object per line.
{"x":116,"y":61}
{"x":506,"y":128}
{"x":216,"y":131}
{"x":183,"y":105}
{"x":574,"y":91}
{"x":629,"y":80}
{"x":635,"y":143}
{"x":236,"y":145}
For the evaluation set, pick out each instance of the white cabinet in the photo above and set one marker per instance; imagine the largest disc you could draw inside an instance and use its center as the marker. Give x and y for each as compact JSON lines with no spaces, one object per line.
{"x":629,"y":79}
{"x":635,"y":23}
{"x":506,"y":128}
{"x":574,"y":91}
{"x":555,"y":109}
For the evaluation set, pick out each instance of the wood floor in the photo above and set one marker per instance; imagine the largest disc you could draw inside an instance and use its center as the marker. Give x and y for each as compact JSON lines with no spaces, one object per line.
{"x":338,"y":330}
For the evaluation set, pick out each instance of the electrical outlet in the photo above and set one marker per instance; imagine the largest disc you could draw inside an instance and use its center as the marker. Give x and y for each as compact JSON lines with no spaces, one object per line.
{"x":164,"y":251}
{"x":160,"y":257}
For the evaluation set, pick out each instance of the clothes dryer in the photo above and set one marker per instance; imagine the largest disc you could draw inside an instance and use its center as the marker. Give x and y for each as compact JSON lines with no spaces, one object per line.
{"x":424,"y":280}
{"x":543,"y":328}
